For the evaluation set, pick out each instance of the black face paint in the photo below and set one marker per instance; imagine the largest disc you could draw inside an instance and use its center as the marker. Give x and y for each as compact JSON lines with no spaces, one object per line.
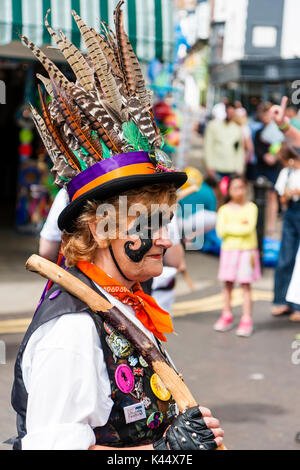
{"x":145,"y":227}
{"x":117,"y":264}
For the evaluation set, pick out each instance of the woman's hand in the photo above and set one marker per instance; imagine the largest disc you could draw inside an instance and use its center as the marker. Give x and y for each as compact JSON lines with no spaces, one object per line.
{"x":193,"y":429}
{"x":213,"y":424}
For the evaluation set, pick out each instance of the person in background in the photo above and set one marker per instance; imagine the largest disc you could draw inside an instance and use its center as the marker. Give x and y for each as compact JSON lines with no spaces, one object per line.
{"x":268,"y":166}
{"x":50,"y":236}
{"x":219,"y":110}
{"x":163,"y":286}
{"x":241,"y":118}
{"x":288,"y":188}
{"x":293,"y":115}
{"x":224,"y":152}
{"x":197,"y":205}
{"x":239,"y":259}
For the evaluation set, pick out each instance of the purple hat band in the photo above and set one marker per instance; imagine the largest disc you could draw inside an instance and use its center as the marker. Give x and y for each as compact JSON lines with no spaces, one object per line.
{"x":106,"y":166}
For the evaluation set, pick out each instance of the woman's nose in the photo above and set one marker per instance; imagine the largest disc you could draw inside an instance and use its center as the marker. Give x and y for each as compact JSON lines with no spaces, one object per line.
{"x":162,"y":238}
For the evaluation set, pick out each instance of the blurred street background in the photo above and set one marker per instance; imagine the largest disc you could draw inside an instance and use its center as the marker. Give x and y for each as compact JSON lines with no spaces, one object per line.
{"x":207,"y":62}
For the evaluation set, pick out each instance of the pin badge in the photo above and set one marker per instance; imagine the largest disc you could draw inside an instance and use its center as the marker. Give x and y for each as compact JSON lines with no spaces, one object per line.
{"x":155,"y":420}
{"x":124,"y":378}
{"x":109,"y":329}
{"x":146,"y":400}
{"x":132,"y":361}
{"x":143,"y":362}
{"x":138,"y":371}
{"x":119,"y":345}
{"x":159,"y":389}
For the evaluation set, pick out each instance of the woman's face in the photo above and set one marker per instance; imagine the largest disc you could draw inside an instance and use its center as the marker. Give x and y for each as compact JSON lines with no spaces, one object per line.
{"x":266,"y":117}
{"x":237,"y":190}
{"x":140,"y":252}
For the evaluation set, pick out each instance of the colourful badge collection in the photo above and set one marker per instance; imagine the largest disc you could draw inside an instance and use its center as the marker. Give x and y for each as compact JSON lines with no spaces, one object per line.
{"x":130,"y":381}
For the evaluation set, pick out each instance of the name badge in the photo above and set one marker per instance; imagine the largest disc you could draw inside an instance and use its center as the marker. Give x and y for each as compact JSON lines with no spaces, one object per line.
{"x":134,"y":412}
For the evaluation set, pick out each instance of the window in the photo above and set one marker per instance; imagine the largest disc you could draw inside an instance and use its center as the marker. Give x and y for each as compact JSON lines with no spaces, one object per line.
{"x":264,"y":36}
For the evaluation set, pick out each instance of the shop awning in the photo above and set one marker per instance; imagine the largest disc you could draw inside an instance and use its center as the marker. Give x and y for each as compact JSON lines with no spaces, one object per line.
{"x":149,"y":23}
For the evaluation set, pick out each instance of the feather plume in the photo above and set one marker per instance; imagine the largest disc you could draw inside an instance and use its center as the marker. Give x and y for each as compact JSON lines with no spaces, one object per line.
{"x":134,"y":138}
{"x":74,"y":57}
{"x":78,"y":132}
{"x":48,"y":65}
{"x":107,"y":110}
{"x":98,"y":119}
{"x":47,"y":84}
{"x":110,"y":54}
{"x":106,"y":79}
{"x":123,"y":53}
{"x":71,"y":158}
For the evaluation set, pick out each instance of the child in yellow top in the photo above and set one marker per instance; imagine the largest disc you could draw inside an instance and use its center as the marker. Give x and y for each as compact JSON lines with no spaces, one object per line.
{"x":239,"y":258}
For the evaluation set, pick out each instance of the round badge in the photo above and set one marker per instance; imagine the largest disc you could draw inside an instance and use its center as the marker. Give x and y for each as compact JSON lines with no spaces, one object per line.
{"x":124,"y":378}
{"x":158,"y":157}
{"x":155,"y":420}
{"x":159,"y":389}
{"x":143,"y":362}
{"x":119,"y":345}
{"x":109,"y":329}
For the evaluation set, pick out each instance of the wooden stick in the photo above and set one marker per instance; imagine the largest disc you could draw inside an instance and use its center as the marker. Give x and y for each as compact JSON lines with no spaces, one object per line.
{"x":120,"y":322}
{"x":188,"y":280}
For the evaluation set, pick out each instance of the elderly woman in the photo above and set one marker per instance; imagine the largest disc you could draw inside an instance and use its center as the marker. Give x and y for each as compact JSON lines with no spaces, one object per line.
{"x":80,"y":384}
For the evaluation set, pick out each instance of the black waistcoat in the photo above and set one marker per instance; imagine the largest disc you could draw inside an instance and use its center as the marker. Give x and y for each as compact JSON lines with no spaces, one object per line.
{"x":116,"y":432}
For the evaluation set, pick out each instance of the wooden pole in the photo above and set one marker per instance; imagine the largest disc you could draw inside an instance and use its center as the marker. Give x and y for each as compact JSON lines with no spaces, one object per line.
{"x":120,"y":322}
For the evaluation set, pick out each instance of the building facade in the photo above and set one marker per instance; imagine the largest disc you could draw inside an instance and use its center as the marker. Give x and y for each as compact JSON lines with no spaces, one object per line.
{"x":255,"y":50}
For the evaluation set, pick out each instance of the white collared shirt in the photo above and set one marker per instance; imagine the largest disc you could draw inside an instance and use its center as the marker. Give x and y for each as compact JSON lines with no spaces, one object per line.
{"x":66,"y":379}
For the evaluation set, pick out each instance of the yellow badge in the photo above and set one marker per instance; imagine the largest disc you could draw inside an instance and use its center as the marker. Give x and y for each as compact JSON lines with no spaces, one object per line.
{"x":159,"y":389}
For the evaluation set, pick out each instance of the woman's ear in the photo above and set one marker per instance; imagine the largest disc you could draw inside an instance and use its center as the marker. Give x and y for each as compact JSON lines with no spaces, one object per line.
{"x":101,"y":242}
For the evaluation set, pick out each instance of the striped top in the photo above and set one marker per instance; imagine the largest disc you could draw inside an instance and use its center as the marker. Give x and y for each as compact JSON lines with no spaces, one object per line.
{"x":150,"y":23}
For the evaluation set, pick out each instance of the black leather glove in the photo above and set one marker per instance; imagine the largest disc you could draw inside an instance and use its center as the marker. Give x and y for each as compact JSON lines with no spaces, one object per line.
{"x":187,"y":432}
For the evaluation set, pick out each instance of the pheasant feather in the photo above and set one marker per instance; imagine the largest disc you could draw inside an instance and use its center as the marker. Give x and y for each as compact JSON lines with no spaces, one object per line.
{"x":78,"y":132}
{"x":74,"y":57}
{"x":71,"y":158}
{"x":106,"y":79}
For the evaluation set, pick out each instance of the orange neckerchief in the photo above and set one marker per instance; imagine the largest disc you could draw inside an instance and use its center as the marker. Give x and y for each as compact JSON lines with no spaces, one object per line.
{"x":154,"y":318}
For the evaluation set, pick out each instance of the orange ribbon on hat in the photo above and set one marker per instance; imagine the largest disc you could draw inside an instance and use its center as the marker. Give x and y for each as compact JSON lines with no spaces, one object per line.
{"x":154,"y":318}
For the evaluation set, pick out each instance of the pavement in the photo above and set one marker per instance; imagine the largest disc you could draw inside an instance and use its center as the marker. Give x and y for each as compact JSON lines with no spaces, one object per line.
{"x":251,"y":384}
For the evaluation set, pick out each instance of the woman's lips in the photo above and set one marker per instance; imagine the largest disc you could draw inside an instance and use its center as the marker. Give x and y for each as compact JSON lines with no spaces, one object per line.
{"x":155,"y":256}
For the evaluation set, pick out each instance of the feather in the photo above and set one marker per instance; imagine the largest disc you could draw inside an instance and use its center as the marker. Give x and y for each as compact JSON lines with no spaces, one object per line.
{"x":134,"y":138}
{"x":48,"y":142}
{"x":98,"y":119}
{"x":110,"y":54}
{"x":142,"y":119}
{"x":110,"y":38}
{"x":133,"y":75}
{"x":106,"y":152}
{"x":116,"y":116}
{"x":78,"y":132}
{"x":48,"y":65}
{"x":123,"y":53}
{"x":61,"y":170}
{"x":106,"y":79}
{"x":83,"y":72}
{"x":71,"y":158}
{"x":47,"y":84}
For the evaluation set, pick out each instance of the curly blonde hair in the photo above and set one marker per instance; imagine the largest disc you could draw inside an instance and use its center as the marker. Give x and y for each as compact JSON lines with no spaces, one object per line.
{"x":80,"y":245}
